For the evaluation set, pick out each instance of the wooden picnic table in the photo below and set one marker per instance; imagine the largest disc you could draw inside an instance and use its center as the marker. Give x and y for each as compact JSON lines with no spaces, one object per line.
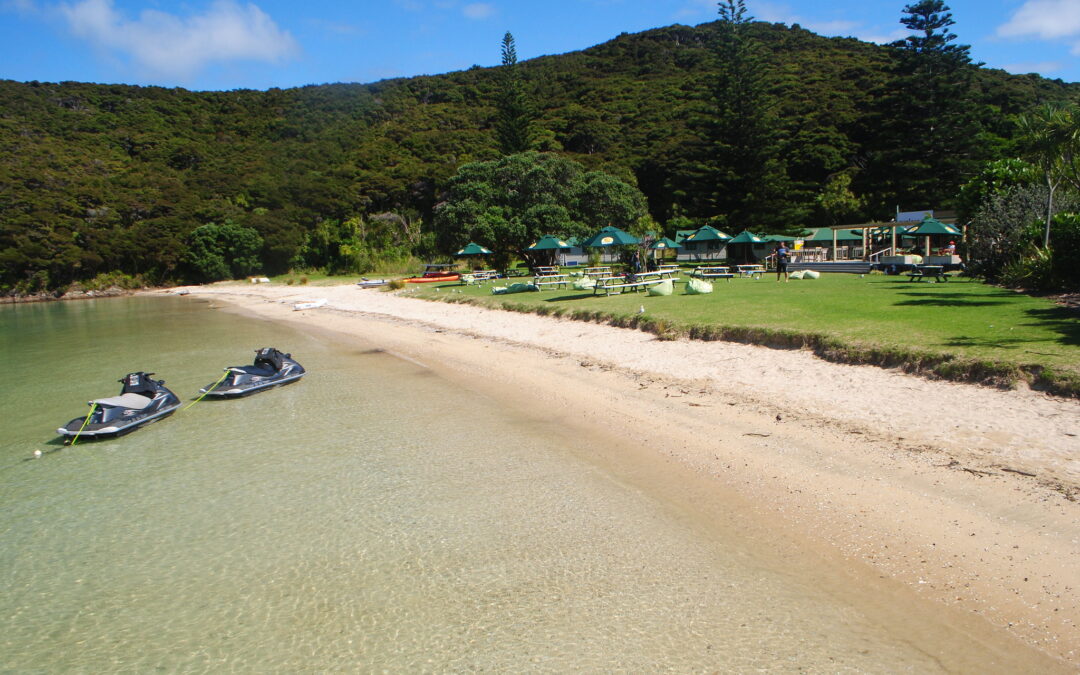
{"x":656,"y":274}
{"x":920,"y":272}
{"x":611,"y":285}
{"x":476,"y":277}
{"x":554,"y":280}
{"x":713,"y":272}
{"x":750,"y":270}
{"x":596,"y":271}
{"x":545,"y":271}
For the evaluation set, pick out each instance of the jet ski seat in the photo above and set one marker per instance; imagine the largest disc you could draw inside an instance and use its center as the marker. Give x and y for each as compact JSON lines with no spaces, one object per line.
{"x":136,"y":401}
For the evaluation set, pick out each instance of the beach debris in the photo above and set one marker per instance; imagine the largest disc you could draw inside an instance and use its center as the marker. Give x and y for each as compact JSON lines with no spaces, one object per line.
{"x":1022,"y":473}
{"x":778,"y":418}
{"x":310,"y":304}
{"x":953,"y":464}
{"x":751,"y":433}
{"x":641,"y":310}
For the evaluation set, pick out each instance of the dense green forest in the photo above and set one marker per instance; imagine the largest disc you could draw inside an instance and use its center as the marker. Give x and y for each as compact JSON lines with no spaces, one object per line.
{"x":110,"y":178}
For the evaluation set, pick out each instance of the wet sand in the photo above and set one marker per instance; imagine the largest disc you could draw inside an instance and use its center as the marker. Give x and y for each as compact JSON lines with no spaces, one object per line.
{"x":965,"y":495}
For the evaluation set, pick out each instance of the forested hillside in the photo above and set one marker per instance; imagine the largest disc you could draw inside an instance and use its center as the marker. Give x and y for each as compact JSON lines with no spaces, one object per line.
{"x":97,"y":178}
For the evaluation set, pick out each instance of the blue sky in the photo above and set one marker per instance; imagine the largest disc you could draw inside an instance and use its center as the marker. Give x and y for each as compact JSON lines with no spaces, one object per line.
{"x":230,"y":44}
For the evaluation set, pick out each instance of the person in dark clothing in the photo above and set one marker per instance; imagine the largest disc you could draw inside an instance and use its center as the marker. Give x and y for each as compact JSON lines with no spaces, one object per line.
{"x":782,"y":253}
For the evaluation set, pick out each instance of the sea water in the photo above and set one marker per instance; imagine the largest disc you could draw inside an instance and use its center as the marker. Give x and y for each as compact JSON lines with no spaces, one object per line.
{"x":371,"y":517}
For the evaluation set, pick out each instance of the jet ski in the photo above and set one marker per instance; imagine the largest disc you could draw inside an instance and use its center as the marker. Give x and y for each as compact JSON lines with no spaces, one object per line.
{"x":142,"y":400}
{"x":271,"y":369}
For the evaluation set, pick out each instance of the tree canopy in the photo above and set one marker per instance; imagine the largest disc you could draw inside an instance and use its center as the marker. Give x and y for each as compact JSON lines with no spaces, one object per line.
{"x":97,"y":178}
{"x":509,"y":203}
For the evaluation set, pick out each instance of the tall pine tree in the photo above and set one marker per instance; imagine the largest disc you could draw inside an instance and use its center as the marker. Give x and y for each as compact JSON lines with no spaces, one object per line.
{"x":513,"y":125}
{"x":744,"y":175}
{"x":928,"y":125}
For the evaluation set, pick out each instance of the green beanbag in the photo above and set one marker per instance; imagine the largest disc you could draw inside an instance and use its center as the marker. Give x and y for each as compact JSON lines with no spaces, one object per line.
{"x":513,"y":288}
{"x":665,"y":287}
{"x":698,"y":287}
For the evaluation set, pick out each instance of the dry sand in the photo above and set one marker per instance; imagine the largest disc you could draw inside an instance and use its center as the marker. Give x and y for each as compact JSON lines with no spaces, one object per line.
{"x":966,"y":494}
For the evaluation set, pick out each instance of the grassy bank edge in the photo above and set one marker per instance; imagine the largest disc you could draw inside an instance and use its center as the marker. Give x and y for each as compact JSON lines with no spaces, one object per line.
{"x":932,"y":365}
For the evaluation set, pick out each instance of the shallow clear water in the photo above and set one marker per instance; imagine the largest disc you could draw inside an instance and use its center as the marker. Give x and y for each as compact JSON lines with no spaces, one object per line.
{"x":370,"y":517}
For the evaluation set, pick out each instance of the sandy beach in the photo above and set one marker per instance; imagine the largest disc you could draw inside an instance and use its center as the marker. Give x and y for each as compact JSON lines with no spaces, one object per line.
{"x":966,"y":495}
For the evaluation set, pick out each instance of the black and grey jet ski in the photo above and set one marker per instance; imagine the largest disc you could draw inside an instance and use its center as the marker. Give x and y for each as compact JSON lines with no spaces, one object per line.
{"x":142,"y":400}
{"x":271,"y":369}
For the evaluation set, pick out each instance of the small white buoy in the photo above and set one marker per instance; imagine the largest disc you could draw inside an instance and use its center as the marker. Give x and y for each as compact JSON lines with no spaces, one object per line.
{"x":37,"y":454}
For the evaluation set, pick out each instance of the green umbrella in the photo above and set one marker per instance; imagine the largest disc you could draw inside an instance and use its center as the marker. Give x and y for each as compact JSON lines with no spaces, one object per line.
{"x":706,"y":233}
{"x":473,"y":249}
{"x":664,"y":244}
{"x":610,"y":236}
{"x":549,"y":243}
{"x":931,"y":226}
{"x":747,"y":237}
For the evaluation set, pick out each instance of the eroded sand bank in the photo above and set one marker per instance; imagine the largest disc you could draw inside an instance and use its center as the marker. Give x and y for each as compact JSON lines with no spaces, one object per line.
{"x":925,"y":482}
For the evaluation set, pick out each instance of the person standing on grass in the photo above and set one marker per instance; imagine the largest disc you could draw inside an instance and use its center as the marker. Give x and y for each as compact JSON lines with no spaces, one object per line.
{"x":781,"y":252}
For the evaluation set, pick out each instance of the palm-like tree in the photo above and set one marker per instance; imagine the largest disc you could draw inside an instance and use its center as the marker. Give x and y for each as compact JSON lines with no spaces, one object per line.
{"x":1050,"y":137}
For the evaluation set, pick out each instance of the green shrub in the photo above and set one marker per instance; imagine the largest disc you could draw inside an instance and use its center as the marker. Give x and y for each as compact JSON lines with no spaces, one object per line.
{"x":1065,"y":251}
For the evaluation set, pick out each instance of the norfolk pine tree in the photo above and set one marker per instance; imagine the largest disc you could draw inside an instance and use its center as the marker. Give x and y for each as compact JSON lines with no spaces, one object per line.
{"x":931,"y":136}
{"x":745,"y":178}
{"x":513,"y":124}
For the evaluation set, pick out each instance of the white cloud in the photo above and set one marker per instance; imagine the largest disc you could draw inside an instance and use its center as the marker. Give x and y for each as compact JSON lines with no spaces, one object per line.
{"x":697,"y":9}
{"x":1046,"y":19}
{"x":478,"y":10}
{"x":1041,"y":67}
{"x":165,"y":44}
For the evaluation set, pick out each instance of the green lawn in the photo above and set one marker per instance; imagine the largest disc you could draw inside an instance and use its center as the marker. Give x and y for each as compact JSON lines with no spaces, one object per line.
{"x":962,"y":318}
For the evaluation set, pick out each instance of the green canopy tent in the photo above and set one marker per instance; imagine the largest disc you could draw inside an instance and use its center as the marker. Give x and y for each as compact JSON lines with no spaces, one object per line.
{"x":472,"y":249}
{"x":745,"y":242}
{"x":610,"y":237}
{"x":551,"y":244}
{"x":704,"y":240}
{"x":932,"y":227}
{"x":660,"y":246}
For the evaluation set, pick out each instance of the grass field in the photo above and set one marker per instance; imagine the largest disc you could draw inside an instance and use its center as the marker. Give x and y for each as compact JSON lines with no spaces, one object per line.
{"x":962,"y":329}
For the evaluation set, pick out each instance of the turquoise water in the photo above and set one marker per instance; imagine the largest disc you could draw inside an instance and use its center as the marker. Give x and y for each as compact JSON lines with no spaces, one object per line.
{"x":372,"y":517}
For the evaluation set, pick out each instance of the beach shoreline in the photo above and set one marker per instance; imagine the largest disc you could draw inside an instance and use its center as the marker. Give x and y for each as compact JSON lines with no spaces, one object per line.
{"x":964,"y":494}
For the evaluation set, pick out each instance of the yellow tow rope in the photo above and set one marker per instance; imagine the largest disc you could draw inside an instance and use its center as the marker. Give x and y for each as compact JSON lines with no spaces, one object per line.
{"x":86,"y":421}
{"x":208,"y":390}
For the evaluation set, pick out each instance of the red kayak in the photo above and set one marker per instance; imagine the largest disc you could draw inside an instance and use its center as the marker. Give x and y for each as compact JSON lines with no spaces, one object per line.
{"x":435,"y":272}
{"x":426,"y":279}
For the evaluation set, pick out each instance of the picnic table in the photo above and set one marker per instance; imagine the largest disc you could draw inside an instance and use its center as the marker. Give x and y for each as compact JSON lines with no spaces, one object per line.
{"x":713,"y":272}
{"x":611,"y":285}
{"x":920,"y":272}
{"x":553,"y":280}
{"x":656,"y":274}
{"x":667,"y":268}
{"x":750,"y":270}
{"x":476,"y":277}
{"x":545,"y":271}
{"x":597,"y":271}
